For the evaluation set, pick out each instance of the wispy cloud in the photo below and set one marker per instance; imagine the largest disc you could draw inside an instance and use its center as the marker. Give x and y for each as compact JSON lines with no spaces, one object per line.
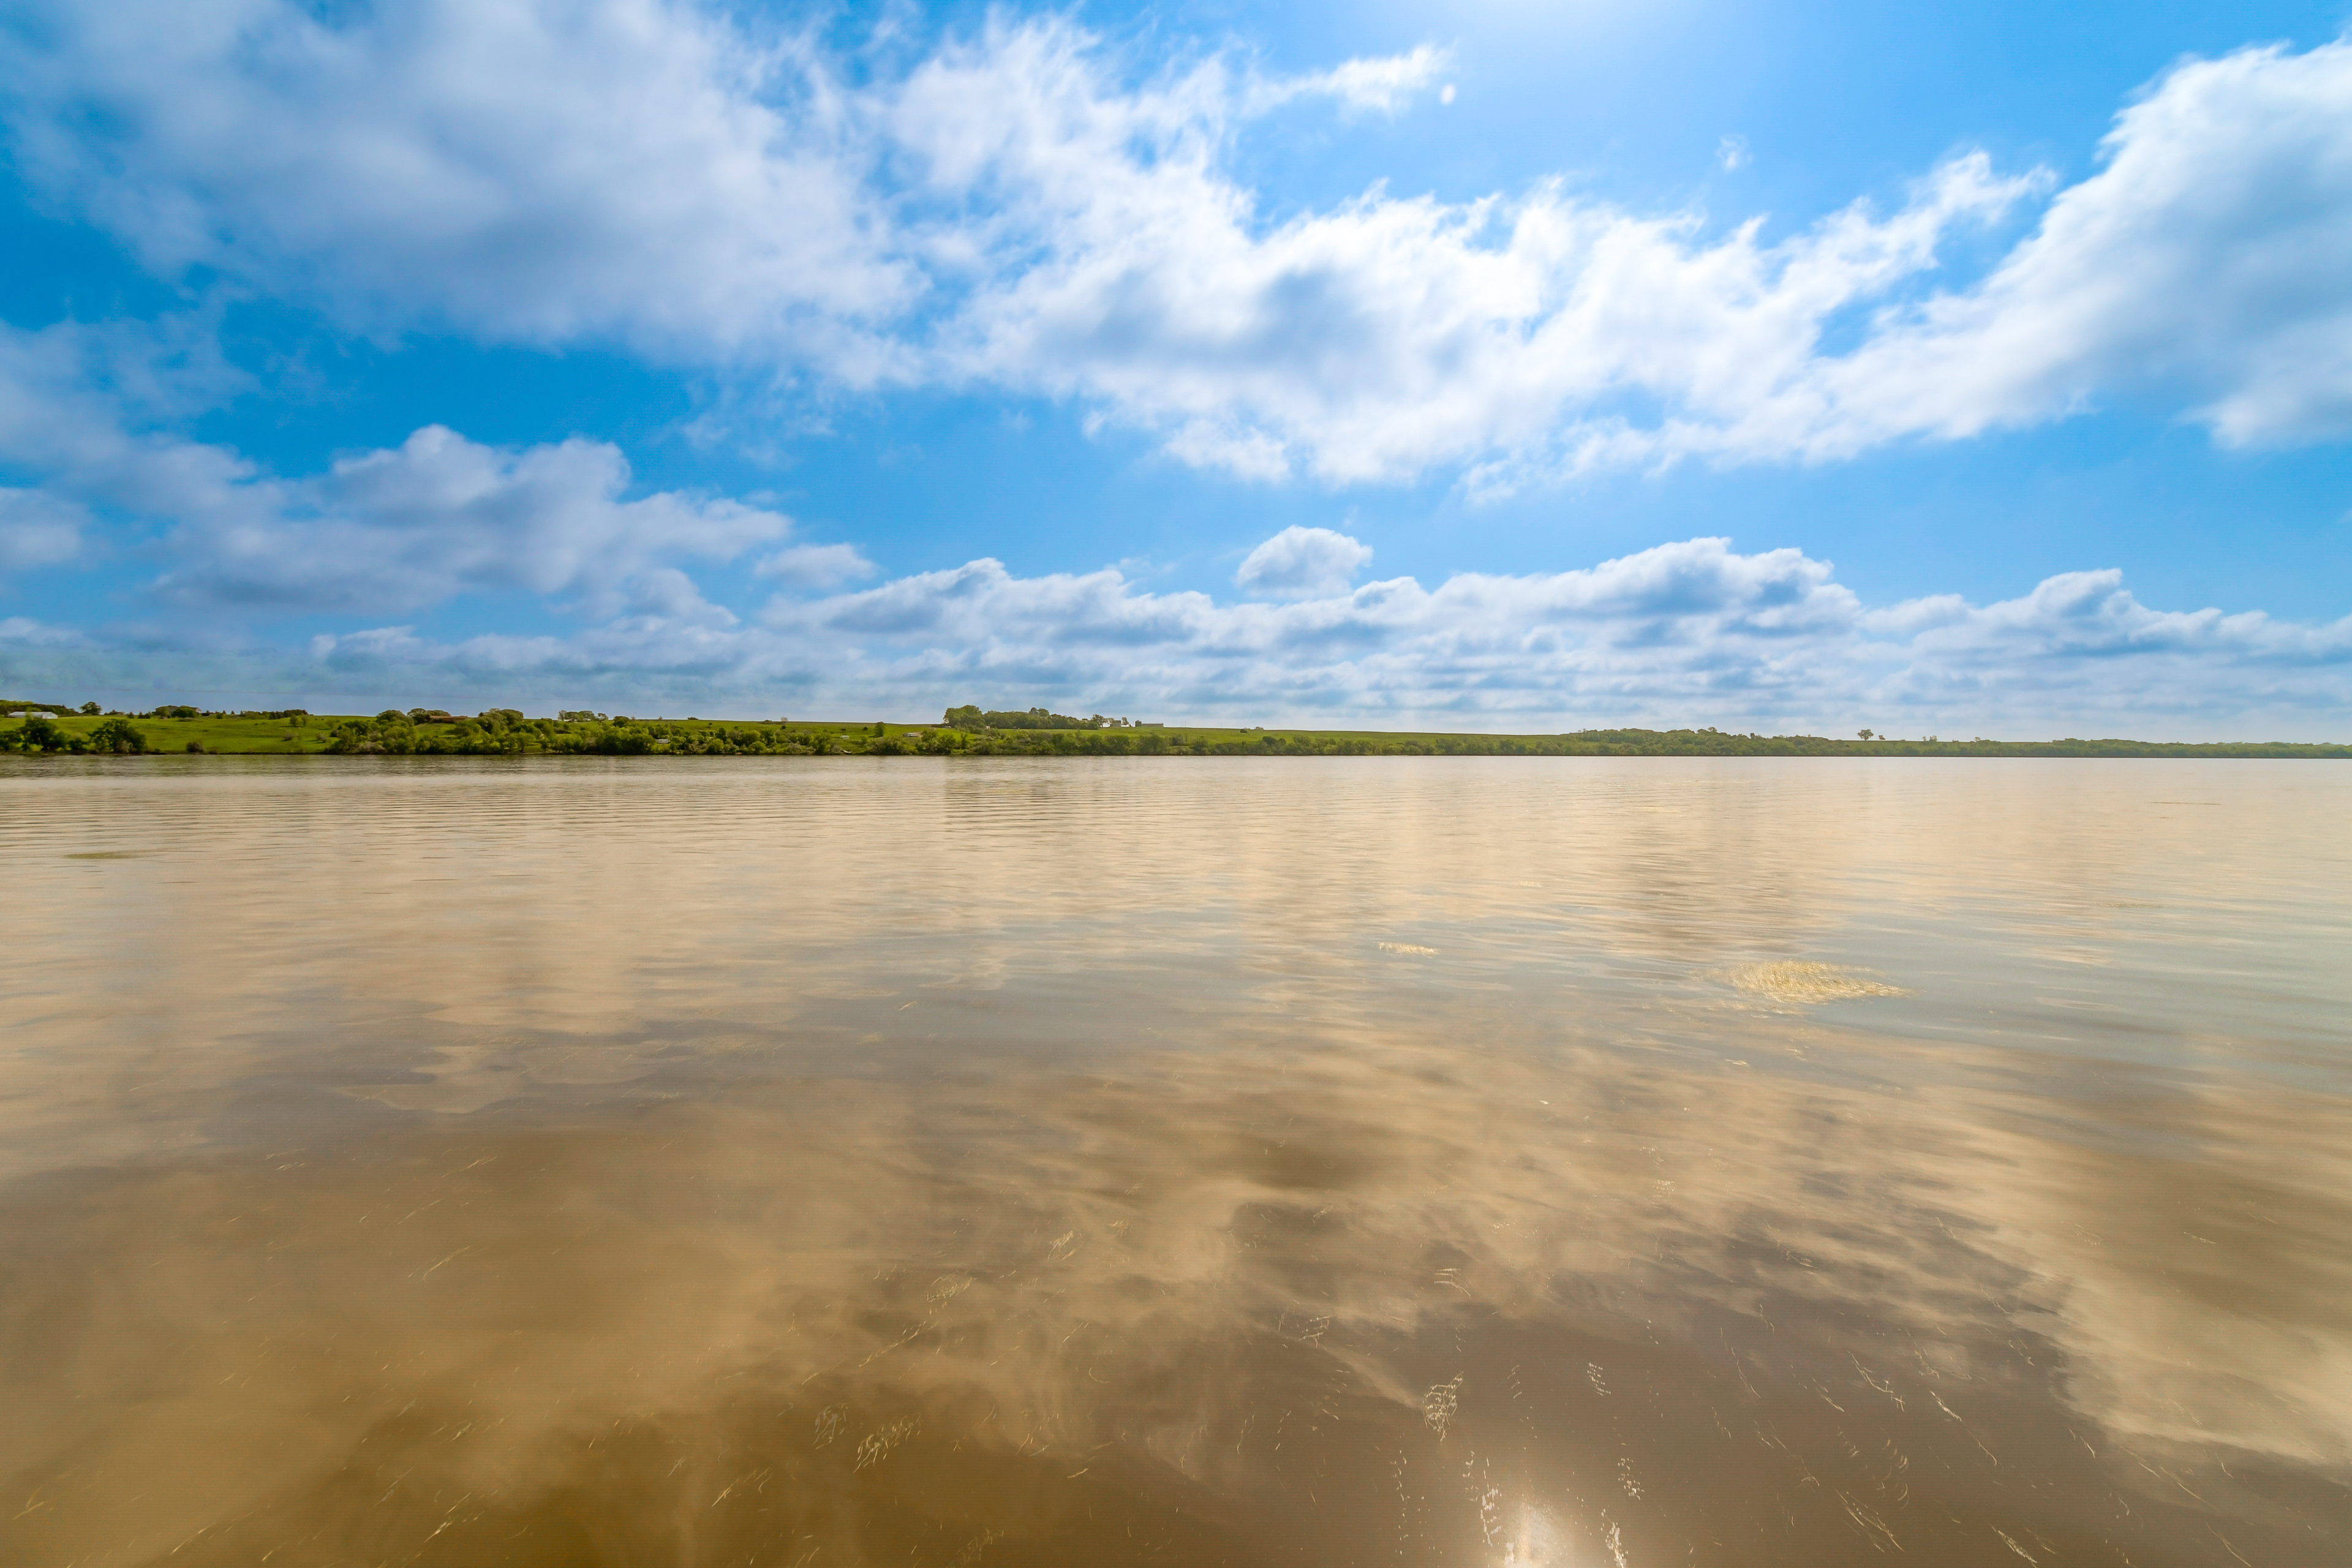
{"x":520,"y":169}
{"x":1022,"y":209}
{"x":37,"y":529}
{"x":815,"y":566}
{"x":1380,"y":84}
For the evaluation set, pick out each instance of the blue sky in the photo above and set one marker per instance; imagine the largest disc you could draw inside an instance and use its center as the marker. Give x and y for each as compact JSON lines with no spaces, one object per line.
{"x":1951,"y":370}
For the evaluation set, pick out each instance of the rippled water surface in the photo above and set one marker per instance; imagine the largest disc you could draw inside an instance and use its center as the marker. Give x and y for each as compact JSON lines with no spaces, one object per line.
{"x":813,"y":1161}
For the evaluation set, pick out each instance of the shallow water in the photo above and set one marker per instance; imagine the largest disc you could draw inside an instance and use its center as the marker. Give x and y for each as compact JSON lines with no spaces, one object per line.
{"x":819,"y":1162}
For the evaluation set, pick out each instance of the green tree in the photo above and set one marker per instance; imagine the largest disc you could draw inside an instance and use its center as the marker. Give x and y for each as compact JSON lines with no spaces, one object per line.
{"x":90,"y":708}
{"x":117,"y":735}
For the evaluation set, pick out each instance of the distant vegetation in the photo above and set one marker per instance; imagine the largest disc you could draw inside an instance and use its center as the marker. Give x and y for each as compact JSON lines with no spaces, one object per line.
{"x":51,"y":728}
{"x":971,"y":718}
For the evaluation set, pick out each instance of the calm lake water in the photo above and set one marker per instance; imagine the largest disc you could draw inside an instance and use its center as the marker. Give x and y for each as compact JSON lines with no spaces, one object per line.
{"x":813,"y":1161}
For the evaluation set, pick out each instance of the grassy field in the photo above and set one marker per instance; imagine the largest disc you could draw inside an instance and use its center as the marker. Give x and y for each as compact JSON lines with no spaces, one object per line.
{"x":212,"y":732}
{"x":505,"y":731}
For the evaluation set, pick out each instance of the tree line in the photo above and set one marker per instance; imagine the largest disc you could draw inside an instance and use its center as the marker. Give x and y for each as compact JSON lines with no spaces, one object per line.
{"x":39,"y":732}
{"x":969,"y":718}
{"x":969,"y":731}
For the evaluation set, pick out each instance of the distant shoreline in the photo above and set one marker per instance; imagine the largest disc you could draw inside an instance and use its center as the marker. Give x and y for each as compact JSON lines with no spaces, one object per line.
{"x":508,"y":733}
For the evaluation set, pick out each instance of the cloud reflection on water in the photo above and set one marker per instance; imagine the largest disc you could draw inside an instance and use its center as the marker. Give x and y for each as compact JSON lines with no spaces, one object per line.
{"x":1001,"y":1167}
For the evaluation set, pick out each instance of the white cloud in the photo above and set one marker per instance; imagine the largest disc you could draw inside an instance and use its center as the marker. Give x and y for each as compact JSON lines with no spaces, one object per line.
{"x":1380,"y":84}
{"x":1020,"y":210}
{"x":1687,"y":633}
{"x":380,"y":531}
{"x":2083,"y":633}
{"x":1303,"y":563}
{"x":21,"y":633}
{"x":2212,"y":256}
{"x":815,"y":566}
{"x":1682,"y":625}
{"x":38,"y":530}
{"x":82,"y":408}
{"x":1117,"y":263}
{"x":440,"y":515}
{"x":521,"y":168}
{"x":1024,"y":210}
{"x":1731,"y":154}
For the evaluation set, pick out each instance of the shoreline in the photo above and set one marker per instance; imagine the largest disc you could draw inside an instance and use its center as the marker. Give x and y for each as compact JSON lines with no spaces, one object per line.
{"x":238,"y":736}
{"x":51,"y":730}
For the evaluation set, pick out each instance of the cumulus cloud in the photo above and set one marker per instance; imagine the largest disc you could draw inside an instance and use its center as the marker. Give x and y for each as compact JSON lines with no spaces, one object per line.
{"x":2086,"y":627}
{"x":380,"y":531}
{"x":1303,"y":563}
{"x":440,"y":515}
{"x":525,"y":169}
{"x":1022,"y":209}
{"x":1678,"y":624}
{"x":1532,"y":336}
{"x":2211,"y":255}
{"x":87,"y":410}
{"x":1694,"y":632}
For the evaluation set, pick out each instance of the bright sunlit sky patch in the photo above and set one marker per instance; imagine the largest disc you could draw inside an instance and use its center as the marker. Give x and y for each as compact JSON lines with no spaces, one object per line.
{"x":1979,"y":369}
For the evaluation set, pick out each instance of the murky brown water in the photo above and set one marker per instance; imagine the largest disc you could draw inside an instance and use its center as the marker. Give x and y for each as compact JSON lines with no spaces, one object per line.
{"x":835,"y":1161}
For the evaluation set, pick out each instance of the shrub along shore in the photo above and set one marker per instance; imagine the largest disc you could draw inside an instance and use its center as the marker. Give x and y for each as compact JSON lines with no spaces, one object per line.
{"x":51,"y":730}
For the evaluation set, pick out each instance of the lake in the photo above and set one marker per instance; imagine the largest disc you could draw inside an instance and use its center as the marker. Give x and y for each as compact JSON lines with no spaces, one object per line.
{"x":811,"y":1162}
